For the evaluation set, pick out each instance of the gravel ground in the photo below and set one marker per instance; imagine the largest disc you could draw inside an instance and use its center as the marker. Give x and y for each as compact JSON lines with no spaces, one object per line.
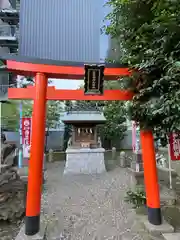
{"x":89,"y":207}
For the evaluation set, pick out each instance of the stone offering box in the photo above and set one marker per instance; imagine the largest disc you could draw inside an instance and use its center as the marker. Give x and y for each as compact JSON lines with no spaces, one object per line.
{"x":84,"y":153}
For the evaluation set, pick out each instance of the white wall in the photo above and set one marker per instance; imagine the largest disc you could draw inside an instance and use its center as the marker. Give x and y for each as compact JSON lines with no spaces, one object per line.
{"x":3,"y":50}
{"x":5,"y":4}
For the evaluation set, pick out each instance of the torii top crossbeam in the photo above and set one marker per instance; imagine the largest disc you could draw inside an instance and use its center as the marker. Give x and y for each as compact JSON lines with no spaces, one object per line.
{"x":27,"y":66}
{"x":59,"y":69}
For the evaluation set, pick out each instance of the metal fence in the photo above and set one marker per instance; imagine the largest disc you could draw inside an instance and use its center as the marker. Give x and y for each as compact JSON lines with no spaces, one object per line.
{"x":15,"y":4}
{"x":10,"y":5}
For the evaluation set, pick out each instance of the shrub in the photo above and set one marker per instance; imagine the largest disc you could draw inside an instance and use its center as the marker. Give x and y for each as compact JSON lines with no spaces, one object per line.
{"x":136,"y":198}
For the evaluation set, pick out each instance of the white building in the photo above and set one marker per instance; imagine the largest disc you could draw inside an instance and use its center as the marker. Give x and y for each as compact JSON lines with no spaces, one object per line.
{"x":9,"y":20}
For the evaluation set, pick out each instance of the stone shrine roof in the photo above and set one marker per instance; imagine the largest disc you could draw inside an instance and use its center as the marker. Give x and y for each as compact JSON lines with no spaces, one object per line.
{"x":83,"y":117}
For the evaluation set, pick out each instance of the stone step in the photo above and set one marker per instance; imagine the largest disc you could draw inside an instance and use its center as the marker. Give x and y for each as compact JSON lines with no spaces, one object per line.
{"x":167,"y":197}
{"x":4,"y":167}
{"x":165,"y":227}
{"x":22,"y":171}
{"x":171,"y":236}
{"x":24,"y":178}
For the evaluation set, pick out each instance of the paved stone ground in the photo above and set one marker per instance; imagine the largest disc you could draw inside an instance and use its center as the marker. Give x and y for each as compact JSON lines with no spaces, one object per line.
{"x":90,"y":207}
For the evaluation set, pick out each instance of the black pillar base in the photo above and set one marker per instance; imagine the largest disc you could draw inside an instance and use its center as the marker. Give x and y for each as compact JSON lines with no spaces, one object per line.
{"x":32,"y":225}
{"x":154,"y":216}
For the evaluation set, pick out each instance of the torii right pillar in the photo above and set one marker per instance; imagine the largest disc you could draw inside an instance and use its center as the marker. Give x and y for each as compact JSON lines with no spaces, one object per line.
{"x":151,"y":178}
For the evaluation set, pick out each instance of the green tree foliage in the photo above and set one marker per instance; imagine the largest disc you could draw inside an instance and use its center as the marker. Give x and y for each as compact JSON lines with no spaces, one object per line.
{"x":115,"y":125}
{"x":54,"y":110}
{"x":116,"y":116}
{"x":1,"y":64}
{"x":29,"y":81}
{"x":86,"y":106}
{"x":68,"y":128}
{"x":149,"y":33}
{"x":10,"y":116}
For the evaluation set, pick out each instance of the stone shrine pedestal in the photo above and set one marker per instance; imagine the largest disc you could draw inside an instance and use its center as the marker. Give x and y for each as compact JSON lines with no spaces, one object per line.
{"x":84,"y":161}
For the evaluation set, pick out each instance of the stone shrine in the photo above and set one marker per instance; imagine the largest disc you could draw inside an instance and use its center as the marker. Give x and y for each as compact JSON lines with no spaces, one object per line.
{"x":84,"y":153}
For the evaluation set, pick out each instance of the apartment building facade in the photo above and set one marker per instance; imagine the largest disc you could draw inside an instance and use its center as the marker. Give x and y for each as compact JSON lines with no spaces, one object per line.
{"x":9,"y":21}
{"x":67,"y":30}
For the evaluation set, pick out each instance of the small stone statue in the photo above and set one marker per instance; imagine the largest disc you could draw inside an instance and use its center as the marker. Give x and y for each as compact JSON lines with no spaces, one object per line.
{"x":70,"y":142}
{"x":122,"y":159}
{"x":99,"y":142}
{"x":163,"y":162}
{"x":137,"y":146}
{"x":50,"y":158}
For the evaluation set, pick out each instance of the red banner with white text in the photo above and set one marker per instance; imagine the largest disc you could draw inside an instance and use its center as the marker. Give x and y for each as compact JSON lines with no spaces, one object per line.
{"x":26,"y":131}
{"x":174,"y":142}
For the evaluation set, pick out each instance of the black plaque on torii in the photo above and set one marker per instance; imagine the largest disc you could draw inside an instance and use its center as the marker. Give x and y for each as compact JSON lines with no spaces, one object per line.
{"x":94,"y":79}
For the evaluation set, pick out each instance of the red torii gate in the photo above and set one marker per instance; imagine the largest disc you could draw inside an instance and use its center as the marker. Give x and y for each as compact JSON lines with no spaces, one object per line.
{"x":42,"y":70}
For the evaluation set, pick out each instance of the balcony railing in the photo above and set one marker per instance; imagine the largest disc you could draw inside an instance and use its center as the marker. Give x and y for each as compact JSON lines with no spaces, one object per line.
{"x":6,"y":81}
{"x":13,"y":4}
{"x":4,"y":91}
{"x":9,"y":31}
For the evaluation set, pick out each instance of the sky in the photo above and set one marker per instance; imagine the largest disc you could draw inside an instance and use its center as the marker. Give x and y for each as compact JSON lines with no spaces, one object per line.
{"x":74,"y":84}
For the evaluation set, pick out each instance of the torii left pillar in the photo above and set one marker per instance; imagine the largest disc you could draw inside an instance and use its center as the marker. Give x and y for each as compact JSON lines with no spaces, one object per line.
{"x":33,"y":204}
